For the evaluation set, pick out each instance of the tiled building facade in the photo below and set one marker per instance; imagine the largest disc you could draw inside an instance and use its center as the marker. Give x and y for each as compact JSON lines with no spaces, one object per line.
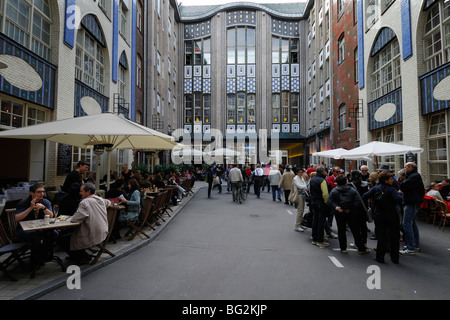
{"x":62,"y":59}
{"x":403,"y":79}
{"x":347,"y":108}
{"x":321,"y":74}
{"x":243,"y":73}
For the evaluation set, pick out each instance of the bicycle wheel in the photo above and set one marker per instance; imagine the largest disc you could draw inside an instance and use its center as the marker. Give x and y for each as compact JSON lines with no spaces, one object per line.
{"x":244,"y":193}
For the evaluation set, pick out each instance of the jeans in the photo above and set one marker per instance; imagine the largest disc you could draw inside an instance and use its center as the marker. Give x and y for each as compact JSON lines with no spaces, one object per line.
{"x":275,"y":189}
{"x":411,"y":232}
{"x":320,"y":212}
{"x":264,"y":183}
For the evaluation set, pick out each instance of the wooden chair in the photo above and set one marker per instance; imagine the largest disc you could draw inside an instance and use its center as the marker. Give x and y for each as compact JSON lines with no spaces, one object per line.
{"x":166,"y":204}
{"x":445,"y":215}
{"x":15,"y":251}
{"x":112,"y":214}
{"x":429,"y":209}
{"x":189,"y":185}
{"x":12,"y":223}
{"x":138,"y":225}
{"x":159,"y":210}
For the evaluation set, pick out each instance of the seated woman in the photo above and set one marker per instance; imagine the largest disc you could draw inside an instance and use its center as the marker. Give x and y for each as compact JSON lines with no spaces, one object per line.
{"x":434,"y":191}
{"x":133,"y":201}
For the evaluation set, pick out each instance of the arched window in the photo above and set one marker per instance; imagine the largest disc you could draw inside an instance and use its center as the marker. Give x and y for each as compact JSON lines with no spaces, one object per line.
{"x":29,"y":23}
{"x":436,"y":39}
{"x":386,"y":75}
{"x":89,"y":61}
{"x":123,"y":76}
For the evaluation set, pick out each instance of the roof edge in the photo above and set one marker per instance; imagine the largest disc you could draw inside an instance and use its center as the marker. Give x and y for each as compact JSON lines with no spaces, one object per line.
{"x":225,"y":7}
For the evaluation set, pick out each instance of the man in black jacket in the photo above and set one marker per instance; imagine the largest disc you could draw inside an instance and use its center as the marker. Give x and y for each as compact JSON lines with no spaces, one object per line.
{"x":413,"y":192}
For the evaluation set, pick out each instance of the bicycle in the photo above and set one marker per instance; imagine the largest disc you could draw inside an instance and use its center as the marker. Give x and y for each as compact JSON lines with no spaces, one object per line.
{"x":242,"y":192}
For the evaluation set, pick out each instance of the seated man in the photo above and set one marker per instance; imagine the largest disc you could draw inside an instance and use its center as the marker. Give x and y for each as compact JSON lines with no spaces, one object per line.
{"x":32,"y":208}
{"x":93,"y":229}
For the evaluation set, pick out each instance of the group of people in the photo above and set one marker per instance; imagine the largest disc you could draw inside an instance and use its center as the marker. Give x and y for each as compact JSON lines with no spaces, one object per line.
{"x":391,"y":201}
{"x":353,"y":200}
{"x":79,"y":200}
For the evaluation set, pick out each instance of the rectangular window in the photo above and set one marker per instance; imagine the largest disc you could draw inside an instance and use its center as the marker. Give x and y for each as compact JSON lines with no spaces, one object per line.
{"x":231,"y":108}
{"x":342,"y":117}
{"x":276,"y":108}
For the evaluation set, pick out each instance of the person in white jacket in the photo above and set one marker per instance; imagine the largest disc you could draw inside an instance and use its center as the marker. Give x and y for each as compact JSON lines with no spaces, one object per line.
{"x":274,"y":179}
{"x":302,"y":188}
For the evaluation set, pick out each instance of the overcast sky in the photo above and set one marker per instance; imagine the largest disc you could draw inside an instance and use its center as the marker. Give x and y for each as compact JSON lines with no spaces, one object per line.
{"x":214,"y":2}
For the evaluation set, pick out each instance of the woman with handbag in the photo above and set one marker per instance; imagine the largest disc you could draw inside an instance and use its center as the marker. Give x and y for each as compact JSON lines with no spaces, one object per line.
{"x":297,"y":197}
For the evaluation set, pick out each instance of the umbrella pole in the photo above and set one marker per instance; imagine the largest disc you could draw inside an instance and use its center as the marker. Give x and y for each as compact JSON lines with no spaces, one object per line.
{"x":97,"y":174}
{"x":108,"y":173}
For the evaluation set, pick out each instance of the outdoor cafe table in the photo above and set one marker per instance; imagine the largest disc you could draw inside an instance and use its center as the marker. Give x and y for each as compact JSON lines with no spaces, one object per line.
{"x":33,"y":225}
{"x":38,"y":224}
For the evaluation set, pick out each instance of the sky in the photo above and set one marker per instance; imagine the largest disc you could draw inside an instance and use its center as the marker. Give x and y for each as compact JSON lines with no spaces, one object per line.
{"x":214,"y":2}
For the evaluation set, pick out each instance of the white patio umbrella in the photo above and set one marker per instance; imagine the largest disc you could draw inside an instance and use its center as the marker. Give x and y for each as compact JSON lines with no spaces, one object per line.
{"x":219,"y":154}
{"x":330,"y":153}
{"x":107,"y":129}
{"x":338,"y":153}
{"x":377,"y":148}
{"x":224,"y":152}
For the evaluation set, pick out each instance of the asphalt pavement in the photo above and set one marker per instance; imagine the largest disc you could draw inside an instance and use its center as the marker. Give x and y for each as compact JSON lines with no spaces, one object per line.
{"x":217,"y":249}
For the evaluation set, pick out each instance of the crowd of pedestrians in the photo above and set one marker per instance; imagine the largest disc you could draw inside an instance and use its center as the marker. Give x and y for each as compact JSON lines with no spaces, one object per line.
{"x":323,"y":196}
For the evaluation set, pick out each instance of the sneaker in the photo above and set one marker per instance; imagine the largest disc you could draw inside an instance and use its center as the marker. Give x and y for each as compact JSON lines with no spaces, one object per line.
{"x":343,"y":251}
{"x":407,"y":252}
{"x":299,"y":229}
{"x":314,"y":243}
{"x":364,"y":252}
{"x":352,"y":245}
{"x":332,"y":235}
{"x":322,"y":244}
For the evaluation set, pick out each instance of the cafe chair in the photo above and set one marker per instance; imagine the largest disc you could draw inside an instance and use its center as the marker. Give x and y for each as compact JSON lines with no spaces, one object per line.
{"x":112,"y":214}
{"x":136,"y":226}
{"x":166,"y":201}
{"x":431,"y":208}
{"x":12,"y":223}
{"x":189,"y":186}
{"x":445,"y":215}
{"x":15,"y":251}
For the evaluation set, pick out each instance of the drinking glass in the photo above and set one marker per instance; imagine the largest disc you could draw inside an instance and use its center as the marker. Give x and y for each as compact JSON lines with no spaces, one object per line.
{"x":55,"y":210}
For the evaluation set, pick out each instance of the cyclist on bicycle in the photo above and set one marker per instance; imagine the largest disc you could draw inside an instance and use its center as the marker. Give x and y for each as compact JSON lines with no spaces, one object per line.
{"x":236,"y":178}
